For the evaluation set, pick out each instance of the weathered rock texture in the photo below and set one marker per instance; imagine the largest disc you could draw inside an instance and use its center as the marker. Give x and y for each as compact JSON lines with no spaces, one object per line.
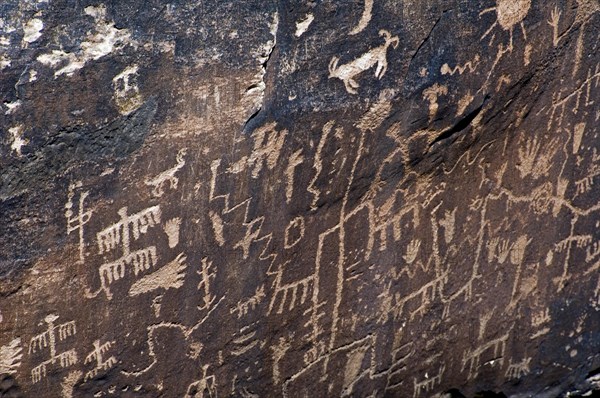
{"x":258,"y":198}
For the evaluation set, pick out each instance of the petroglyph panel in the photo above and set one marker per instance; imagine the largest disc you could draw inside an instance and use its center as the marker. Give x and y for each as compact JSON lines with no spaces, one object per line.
{"x":263,"y":199}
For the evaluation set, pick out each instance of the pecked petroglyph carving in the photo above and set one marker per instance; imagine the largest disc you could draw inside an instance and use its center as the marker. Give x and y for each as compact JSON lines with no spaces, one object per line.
{"x":448,"y":222}
{"x":577,"y":98}
{"x":294,"y":232}
{"x":318,"y":164}
{"x":243,"y":307}
{"x":517,"y":370}
{"x":68,"y":383}
{"x":76,"y":222}
{"x":278,"y":353}
{"x":207,"y":275}
{"x":245,"y":342}
{"x":297,"y":289}
{"x":432,"y":94}
{"x":47,"y":339}
{"x":126,"y":91}
{"x":412,"y":250}
{"x":120,"y":234}
{"x":470,"y":66}
{"x":137,"y":261}
{"x":533,"y":161}
{"x":376,"y":56}
{"x":252,"y":227}
{"x":172,"y":228}
{"x":428,"y":384}
{"x":294,"y":161}
{"x":128,"y":226}
{"x":268,"y":144}
{"x":472,"y":357}
{"x":331,"y":249}
{"x":578,"y":132}
{"x":10,"y":356}
{"x":205,"y":387}
{"x":168,"y":177}
{"x":96,"y":357}
{"x":50,"y":339}
{"x":169,"y":276}
{"x":509,"y":13}
{"x":364,"y":19}
{"x":554,"y":21}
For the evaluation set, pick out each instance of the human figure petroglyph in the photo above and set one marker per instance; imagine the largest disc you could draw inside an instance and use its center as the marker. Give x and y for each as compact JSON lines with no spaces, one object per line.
{"x":120,"y":234}
{"x":207,"y":276}
{"x":167,"y":177}
{"x":376,"y":56}
{"x":97,"y":358}
{"x":53,"y":335}
{"x":431,"y":94}
{"x":206,"y":387}
{"x":76,"y":222}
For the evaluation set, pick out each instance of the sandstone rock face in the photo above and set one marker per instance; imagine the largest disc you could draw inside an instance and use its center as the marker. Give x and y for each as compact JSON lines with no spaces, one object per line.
{"x":366,"y":198}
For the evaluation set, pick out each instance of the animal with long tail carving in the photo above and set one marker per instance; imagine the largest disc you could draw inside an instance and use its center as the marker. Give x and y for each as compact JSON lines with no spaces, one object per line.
{"x":376,"y":56}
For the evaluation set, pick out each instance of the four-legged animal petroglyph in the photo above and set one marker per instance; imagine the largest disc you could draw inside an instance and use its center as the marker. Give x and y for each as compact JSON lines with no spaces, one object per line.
{"x":167,"y":177}
{"x":376,"y":56}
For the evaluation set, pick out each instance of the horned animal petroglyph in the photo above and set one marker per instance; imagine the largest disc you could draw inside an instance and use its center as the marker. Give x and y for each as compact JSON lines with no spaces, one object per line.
{"x":376,"y":56}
